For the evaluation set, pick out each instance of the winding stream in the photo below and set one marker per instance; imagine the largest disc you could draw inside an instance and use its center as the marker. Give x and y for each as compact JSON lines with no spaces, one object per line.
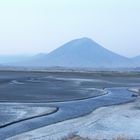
{"x":69,"y":110}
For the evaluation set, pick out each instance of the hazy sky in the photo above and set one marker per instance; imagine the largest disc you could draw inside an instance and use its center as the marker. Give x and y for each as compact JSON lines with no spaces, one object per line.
{"x":34,"y":26}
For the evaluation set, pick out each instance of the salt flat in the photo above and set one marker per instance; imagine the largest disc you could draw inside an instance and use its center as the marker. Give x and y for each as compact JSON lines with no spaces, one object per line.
{"x":104,"y":123}
{"x":14,"y":113}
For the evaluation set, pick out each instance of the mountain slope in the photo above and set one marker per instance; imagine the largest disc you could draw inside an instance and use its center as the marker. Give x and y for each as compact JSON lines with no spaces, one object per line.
{"x":137,"y":60}
{"x":83,"y":53}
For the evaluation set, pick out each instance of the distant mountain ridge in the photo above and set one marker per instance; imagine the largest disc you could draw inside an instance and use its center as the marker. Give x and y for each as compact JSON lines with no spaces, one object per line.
{"x":27,"y":60}
{"x":136,"y":58}
{"x":80,"y":53}
{"x":7,"y":59}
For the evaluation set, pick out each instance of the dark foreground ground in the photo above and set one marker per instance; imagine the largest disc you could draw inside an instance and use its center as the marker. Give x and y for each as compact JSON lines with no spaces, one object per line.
{"x":59,"y":86}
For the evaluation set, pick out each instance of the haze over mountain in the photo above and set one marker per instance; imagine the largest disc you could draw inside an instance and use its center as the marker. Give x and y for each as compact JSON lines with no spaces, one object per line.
{"x":81,"y":53}
{"x":9,"y":59}
{"x":27,"y":60}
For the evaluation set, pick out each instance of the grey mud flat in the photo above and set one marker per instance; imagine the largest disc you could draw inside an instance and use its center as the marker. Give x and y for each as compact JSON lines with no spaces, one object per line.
{"x":44,"y":87}
{"x":72,"y":93}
